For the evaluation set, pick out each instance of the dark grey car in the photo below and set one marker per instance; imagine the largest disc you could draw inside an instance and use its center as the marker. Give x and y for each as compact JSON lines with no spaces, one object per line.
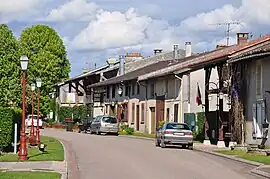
{"x":173,"y":133}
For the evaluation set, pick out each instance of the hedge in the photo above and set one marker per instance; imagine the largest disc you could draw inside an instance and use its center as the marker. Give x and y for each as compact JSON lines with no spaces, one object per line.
{"x":79,"y":112}
{"x":200,"y":124}
{"x":8,"y":117}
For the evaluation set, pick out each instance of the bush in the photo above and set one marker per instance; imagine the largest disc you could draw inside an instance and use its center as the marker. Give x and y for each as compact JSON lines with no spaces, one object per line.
{"x":161,"y":123}
{"x":78,"y":112}
{"x":129,"y":130}
{"x":199,"y":135}
{"x":7,"y":118}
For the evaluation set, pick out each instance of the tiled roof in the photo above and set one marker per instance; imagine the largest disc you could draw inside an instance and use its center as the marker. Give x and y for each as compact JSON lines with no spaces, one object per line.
{"x":134,"y":74}
{"x":208,"y":57}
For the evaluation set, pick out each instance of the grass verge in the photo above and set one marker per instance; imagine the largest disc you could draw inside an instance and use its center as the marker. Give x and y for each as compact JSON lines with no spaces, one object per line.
{"x":244,"y":155}
{"x":29,"y":175}
{"x":53,"y":152}
{"x":139,"y":134}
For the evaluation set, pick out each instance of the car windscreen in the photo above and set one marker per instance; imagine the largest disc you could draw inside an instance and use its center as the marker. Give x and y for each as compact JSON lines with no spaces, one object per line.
{"x":177,"y":126}
{"x":112,"y":120}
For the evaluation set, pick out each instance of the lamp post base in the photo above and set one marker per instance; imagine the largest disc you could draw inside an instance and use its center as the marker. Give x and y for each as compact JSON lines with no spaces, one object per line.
{"x":23,"y":147}
{"x":38,"y":136}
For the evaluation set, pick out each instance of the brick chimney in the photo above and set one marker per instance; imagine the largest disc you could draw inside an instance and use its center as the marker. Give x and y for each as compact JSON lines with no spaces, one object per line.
{"x":188,"y":49}
{"x":242,"y":38}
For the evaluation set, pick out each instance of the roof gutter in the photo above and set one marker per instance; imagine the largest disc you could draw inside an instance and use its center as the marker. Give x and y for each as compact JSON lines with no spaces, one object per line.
{"x":236,"y":59}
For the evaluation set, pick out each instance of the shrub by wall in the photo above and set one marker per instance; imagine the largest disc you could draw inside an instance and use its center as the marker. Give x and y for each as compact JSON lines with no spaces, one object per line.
{"x":78,"y":112}
{"x":200,"y":123}
{"x":7,"y":118}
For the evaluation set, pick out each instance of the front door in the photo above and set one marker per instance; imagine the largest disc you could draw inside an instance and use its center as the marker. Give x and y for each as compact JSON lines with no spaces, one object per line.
{"x":153,"y":119}
{"x":137,"y":117}
{"x":175,"y":113}
{"x":160,"y":105}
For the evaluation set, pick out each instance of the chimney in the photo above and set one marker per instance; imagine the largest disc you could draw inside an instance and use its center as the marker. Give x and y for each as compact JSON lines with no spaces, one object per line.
{"x":121,"y":65}
{"x":175,"y":52}
{"x":157,"y":51}
{"x":188,"y":49}
{"x":242,"y":38}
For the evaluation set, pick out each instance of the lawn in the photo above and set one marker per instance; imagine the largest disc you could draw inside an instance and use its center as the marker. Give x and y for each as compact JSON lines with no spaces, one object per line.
{"x":53,"y":152}
{"x":251,"y":157}
{"x":139,"y":134}
{"x":29,"y":175}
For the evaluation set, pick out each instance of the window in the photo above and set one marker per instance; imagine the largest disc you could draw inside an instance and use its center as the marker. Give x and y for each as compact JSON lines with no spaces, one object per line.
{"x":166,"y":86}
{"x":152,"y":90}
{"x":168,"y":114}
{"x":126,"y":90}
{"x":138,"y":89}
{"x":111,"y":120}
{"x":108,"y":92}
{"x":259,"y":80}
{"x":142,"y":113}
{"x":133,"y":113}
{"x":133,"y":89}
{"x":177,"y":126}
{"x":113,"y":91}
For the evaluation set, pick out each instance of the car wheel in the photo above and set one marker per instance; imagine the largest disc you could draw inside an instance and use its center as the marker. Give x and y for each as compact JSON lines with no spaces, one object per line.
{"x":190,"y":147}
{"x":162,"y":144}
{"x":97,"y":132}
{"x":117,"y":134}
{"x":157,"y":143}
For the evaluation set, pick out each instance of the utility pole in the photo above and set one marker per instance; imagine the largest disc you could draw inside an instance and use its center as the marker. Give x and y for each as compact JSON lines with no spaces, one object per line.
{"x":228,"y":24}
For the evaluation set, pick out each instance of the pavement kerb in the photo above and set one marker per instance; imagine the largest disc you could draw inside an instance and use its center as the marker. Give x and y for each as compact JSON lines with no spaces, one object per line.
{"x":65,"y":174}
{"x":260,"y":173}
{"x":136,"y":137}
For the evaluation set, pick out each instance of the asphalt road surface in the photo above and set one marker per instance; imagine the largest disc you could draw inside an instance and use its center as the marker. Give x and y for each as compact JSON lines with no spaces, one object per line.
{"x":103,"y":157}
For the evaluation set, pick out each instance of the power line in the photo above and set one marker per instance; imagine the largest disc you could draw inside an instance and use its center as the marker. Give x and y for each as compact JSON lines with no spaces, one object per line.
{"x":228,"y":24}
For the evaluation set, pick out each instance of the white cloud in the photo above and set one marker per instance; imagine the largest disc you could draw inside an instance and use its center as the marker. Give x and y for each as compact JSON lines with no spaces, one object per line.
{"x":13,"y":6}
{"x":74,"y":10}
{"x":131,"y":30}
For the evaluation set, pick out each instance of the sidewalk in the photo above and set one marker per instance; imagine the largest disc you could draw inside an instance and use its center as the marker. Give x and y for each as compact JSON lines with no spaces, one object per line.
{"x":261,"y":169}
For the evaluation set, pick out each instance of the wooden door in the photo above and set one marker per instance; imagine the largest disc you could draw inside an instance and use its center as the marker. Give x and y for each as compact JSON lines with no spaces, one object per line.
{"x":153,"y":119}
{"x":137,"y":117}
{"x":160,"y":113}
{"x":176,"y":113}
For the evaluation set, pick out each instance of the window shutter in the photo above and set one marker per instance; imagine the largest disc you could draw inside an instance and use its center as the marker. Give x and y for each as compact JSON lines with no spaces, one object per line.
{"x":254,"y":114}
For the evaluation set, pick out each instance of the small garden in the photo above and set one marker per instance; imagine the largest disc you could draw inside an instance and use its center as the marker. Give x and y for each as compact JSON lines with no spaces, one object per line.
{"x":29,"y":175}
{"x":54,"y":152}
{"x":247,"y":156}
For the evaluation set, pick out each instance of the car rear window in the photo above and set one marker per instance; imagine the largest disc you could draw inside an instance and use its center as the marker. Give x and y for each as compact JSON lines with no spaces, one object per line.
{"x":177,"y":126}
{"x":112,"y":120}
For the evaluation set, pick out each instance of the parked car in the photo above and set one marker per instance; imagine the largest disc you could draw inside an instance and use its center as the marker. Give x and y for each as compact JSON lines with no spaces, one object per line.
{"x":28,"y":121}
{"x":84,"y":125}
{"x":172,"y":133}
{"x":105,"y":124}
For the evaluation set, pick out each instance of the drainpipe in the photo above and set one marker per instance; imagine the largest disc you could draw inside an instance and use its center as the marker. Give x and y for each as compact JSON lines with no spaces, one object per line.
{"x":146,"y":106}
{"x":181,"y":94}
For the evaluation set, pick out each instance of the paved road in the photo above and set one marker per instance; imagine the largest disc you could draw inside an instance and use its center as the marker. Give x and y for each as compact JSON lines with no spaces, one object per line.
{"x":102,"y":157}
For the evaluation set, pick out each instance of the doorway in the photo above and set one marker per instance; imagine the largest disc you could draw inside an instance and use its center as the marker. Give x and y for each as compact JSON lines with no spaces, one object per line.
{"x":175,"y":113}
{"x":137,"y":117}
{"x":153,"y":119}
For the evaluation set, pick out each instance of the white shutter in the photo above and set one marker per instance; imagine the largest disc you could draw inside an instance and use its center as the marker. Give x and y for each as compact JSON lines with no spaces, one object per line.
{"x":263,"y":112}
{"x":254,"y":114}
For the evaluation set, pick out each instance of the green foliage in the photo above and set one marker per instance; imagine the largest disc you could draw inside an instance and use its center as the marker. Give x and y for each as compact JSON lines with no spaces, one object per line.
{"x":199,"y":135}
{"x":161,"y":123}
{"x":129,"y":130}
{"x":7,"y":117}
{"x":10,"y":90}
{"x":47,"y":60}
{"x":79,"y":112}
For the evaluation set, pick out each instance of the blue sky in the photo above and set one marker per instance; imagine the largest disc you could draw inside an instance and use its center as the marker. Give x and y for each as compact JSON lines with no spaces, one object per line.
{"x":96,"y":30}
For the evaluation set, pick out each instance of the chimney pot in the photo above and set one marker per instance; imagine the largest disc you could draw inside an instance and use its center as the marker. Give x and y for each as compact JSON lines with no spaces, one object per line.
{"x":242,"y":38}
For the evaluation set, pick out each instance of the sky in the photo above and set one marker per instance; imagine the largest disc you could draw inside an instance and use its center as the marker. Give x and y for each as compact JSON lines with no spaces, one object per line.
{"x":95,"y":30}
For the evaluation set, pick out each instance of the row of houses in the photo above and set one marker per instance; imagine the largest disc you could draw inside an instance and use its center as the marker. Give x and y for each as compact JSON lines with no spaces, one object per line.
{"x":227,"y":84}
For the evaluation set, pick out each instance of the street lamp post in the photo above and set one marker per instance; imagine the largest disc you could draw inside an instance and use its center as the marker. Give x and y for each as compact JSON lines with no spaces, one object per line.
{"x":37,"y":131}
{"x":32,"y":131}
{"x":23,"y":147}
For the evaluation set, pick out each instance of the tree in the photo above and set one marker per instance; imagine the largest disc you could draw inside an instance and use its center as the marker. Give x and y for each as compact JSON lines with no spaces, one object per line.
{"x":10,"y":90}
{"x":47,"y":60}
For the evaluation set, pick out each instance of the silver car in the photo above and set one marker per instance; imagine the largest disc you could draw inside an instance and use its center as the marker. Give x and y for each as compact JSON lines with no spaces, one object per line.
{"x":173,"y":133}
{"x":104,"y":124}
